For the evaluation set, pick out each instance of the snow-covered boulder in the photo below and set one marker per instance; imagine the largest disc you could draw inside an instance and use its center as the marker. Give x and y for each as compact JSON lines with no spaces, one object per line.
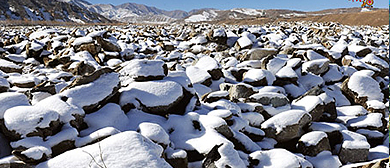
{"x":354,"y":148}
{"x":255,"y":119}
{"x":375,"y":106}
{"x":231,"y":38}
{"x":333,"y":75}
{"x":9,"y":67}
{"x":10,"y":99}
{"x":377,"y":62}
{"x":95,"y":136}
{"x":218,"y":36}
{"x":167,"y":46}
{"x":198,"y":75}
{"x":93,"y":91}
{"x":243,"y":42}
{"x":286,"y":125}
{"x":211,"y":66}
{"x":258,"y":54}
{"x":109,"y":44}
{"x":196,"y":49}
{"x":56,"y":45}
{"x":45,"y":88}
{"x":313,"y":55}
{"x":312,"y":104}
{"x":82,"y":68}
{"x":24,"y":81}
{"x":215,"y":96}
{"x":240,"y":90}
{"x":31,"y":150}
{"x":360,"y":51}
{"x":155,"y":133}
{"x":378,"y":152}
{"x":333,"y":131}
{"x":259,"y":77}
{"x":326,"y":104}
{"x":354,"y":110}
{"x":176,"y":157}
{"x":374,"y":137}
{"x":324,"y":159}
{"x":27,"y":121}
{"x":285,"y":76}
{"x":219,"y":157}
{"x":114,"y":62}
{"x":68,"y":113}
{"x":339,"y":50}
{"x":110,"y":115}
{"x":238,"y":73}
{"x":142,"y":70}
{"x":274,"y":64}
{"x":277,"y":158}
{"x":156,"y":97}
{"x":34,"y":49}
{"x":316,"y":67}
{"x":126,"y":149}
{"x":269,"y":99}
{"x":361,"y":87}
{"x":255,"y":134}
{"x":313,"y":143}
{"x":86,"y":44}
{"x":374,"y":121}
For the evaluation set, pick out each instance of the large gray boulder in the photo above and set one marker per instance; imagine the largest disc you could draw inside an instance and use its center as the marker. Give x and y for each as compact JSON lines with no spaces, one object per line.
{"x":362,"y":87}
{"x":354,"y":148}
{"x":287,"y":125}
{"x":240,"y":91}
{"x":142,"y":70}
{"x":258,"y":54}
{"x":93,"y":91}
{"x":156,"y":97}
{"x":269,"y":99}
{"x":313,"y":143}
{"x":86,"y":44}
{"x":27,"y":121}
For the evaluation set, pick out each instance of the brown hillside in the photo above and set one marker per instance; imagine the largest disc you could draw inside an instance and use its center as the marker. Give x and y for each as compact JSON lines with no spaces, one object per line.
{"x":373,"y":18}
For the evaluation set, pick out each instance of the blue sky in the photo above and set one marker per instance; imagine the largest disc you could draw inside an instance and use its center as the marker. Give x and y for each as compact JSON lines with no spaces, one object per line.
{"x":305,"y":5}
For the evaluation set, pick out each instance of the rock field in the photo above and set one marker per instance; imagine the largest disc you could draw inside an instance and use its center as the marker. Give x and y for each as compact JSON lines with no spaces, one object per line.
{"x":291,"y":94}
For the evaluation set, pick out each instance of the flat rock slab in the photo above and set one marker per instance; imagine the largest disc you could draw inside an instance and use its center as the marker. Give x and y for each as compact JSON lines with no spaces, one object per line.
{"x":157,"y":97}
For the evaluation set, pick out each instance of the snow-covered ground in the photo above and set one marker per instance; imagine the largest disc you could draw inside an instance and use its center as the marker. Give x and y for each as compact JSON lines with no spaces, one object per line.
{"x":285,"y":95}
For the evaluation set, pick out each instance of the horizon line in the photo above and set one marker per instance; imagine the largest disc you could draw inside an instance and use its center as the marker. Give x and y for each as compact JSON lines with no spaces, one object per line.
{"x":234,"y":8}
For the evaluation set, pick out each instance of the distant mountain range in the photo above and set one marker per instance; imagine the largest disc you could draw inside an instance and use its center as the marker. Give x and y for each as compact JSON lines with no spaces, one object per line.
{"x":132,"y":12}
{"x":82,"y":11}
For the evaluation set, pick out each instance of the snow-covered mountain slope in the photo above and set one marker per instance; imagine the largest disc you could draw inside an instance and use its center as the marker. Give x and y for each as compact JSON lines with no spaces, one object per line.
{"x":48,"y":10}
{"x":80,"y":3}
{"x":215,"y":15}
{"x":131,"y":12}
{"x":248,"y":11}
{"x":202,"y":16}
